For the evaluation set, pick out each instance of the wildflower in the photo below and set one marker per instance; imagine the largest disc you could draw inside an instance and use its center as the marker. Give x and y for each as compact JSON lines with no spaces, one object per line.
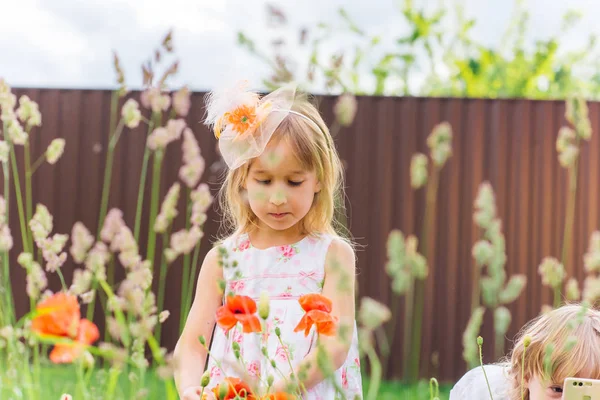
{"x":87,"y":297}
{"x":416,"y":261}
{"x":117,"y":355}
{"x":572,"y":290}
{"x":591,"y":289}
{"x":345,"y":109}
{"x":54,"y":260}
{"x":166,"y":370}
{"x":238,"y":309}
{"x":28,"y":112}
{"x":154,"y":99}
{"x":193,"y":167}
{"x":181,"y":102}
{"x":54,"y":244}
{"x":513,"y":289}
{"x":36,"y":281}
{"x":141,"y":275}
{"x":372,"y":313}
{"x":577,"y":114}
{"x":124,"y":241}
{"x":591,"y":259}
{"x":170,"y":255}
{"x":191,"y":173}
{"x":568,"y":156}
{"x":6,"y":240}
{"x":201,"y":200}
{"x":168,"y":209}
{"x":175,"y":128}
{"x":470,"y":354}
{"x":112,"y":225}
{"x":8,"y":114}
{"x":162,"y":317}
{"x":131,"y":114}
{"x":158,"y":139}
{"x":120,"y":75}
{"x":485,"y":206}
{"x":502,"y":320}
{"x":552,"y":272}
{"x":41,"y":224}
{"x":16,"y":133}
{"x":114,"y":328}
{"x":144,"y":327}
{"x":82,"y":280}
{"x":162,"y":136}
{"x":418,"y":170}
{"x":82,"y":241}
{"x":183,"y":242}
{"x":66,"y":396}
{"x":318,"y":312}
{"x":5,"y":89}
{"x":483,"y":252}
{"x":55,"y":150}
{"x":97,"y":259}
{"x":566,"y":137}
{"x":440,"y":143}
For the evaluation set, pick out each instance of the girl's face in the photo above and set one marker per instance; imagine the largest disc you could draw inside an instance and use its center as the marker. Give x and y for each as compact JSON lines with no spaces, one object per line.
{"x":539,"y":389}
{"x":544,"y":390}
{"x":280,"y":191}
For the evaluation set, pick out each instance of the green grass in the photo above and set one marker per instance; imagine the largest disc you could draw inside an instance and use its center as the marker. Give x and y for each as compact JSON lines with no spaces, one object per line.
{"x":59,"y":379}
{"x":397,"y":390}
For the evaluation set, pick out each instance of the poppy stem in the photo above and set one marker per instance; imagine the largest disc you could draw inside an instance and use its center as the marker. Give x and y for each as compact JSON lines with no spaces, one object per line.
{"x":293,"y":374}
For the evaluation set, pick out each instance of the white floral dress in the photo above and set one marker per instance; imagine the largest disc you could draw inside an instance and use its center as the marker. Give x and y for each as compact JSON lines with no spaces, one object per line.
{"x":285,"y":273}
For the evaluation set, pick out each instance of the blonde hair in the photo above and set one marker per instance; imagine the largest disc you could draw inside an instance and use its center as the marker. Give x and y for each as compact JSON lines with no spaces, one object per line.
{"x":315,"y":151}
{"x":574,"y":331}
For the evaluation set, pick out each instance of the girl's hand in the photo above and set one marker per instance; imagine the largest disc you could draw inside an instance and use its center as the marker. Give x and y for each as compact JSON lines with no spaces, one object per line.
{"x":193,"y":393}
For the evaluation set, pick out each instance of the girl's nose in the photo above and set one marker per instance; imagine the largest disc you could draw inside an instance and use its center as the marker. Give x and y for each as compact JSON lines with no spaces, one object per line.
{"x":278,"y":198}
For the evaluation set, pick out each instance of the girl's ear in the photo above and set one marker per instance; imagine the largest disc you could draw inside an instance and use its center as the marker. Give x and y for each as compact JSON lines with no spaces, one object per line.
{"x":318,"y":187}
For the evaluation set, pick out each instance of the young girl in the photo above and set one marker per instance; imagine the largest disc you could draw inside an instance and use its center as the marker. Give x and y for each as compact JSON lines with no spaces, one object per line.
{"x":573,"y":330}
{"x":278,"y":200}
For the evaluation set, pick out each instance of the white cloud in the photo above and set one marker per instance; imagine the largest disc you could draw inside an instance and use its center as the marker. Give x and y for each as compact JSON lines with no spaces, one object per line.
{"x":69,"y":43}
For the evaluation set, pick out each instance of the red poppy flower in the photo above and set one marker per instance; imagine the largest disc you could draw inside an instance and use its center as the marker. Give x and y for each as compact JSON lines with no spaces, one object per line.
{"x":67,"y":352}
{"x":279,"y":396}
{"x":318,"y":309}
{"x":58,"y":315}
{"x":238,"y":309}
{"x":236,"y":389}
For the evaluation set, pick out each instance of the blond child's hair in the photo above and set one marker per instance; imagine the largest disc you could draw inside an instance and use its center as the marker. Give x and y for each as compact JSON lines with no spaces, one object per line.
{"x":574,"y":331}
{"x":316,"y":152}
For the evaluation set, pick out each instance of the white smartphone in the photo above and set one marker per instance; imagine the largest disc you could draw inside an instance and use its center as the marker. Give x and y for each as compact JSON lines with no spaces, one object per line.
{"x":581,"y":389}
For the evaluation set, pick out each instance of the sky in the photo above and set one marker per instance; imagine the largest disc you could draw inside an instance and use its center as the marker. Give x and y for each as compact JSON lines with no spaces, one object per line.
{"x":69,"y":43}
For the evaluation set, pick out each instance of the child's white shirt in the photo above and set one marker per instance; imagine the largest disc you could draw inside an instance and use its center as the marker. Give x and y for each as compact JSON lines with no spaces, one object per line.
{"x":473,"y":386}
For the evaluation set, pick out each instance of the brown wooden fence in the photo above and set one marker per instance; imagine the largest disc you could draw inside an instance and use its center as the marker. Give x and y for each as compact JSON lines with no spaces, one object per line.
{"x":511,"y":143}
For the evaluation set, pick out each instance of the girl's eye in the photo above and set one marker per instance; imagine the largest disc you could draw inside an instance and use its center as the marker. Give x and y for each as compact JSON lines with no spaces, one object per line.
{"x":294,"y":183}
{"x":264,"y":182}
{"x":556,"y":389}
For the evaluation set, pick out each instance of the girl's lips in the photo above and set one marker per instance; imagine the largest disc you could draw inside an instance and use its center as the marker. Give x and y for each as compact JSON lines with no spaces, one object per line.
{"x":278,"y":215}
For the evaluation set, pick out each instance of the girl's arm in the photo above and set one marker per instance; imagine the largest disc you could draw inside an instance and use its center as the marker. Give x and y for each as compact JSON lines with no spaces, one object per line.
{"x":189,"y":354}
{"x":339,"y":287}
